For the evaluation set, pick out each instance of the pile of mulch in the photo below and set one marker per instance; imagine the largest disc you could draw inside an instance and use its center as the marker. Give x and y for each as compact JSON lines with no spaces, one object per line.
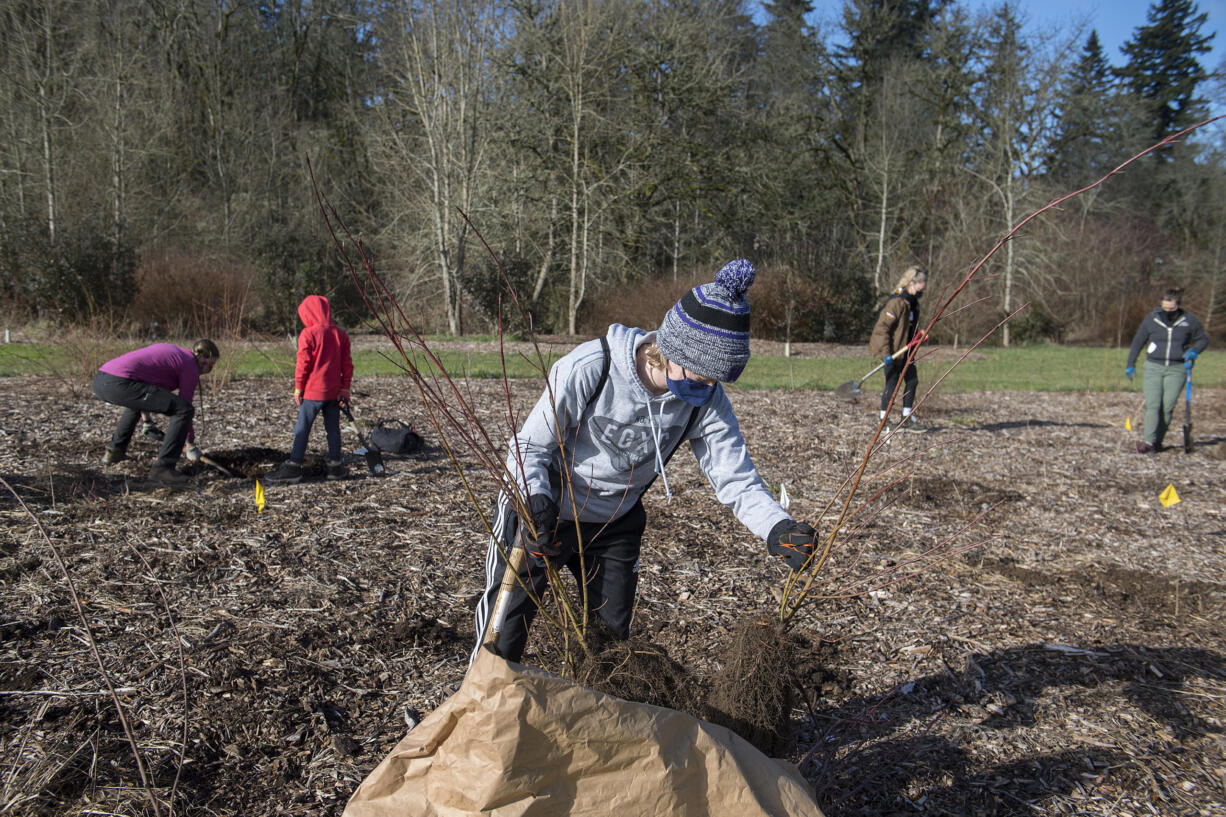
{"x":1064,"y":654}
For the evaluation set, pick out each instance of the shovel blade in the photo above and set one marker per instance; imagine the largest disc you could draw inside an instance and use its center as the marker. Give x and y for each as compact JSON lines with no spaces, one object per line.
{"x":1187,"y":439}
{"x":849,"y":389}
{"x":374,"y":461}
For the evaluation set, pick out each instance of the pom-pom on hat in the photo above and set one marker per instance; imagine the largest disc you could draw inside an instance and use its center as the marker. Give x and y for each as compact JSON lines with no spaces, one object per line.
{"x":707,"y":331}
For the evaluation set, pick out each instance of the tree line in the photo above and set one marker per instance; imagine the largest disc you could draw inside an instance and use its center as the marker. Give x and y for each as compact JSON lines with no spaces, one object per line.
{"x":153,"y":161}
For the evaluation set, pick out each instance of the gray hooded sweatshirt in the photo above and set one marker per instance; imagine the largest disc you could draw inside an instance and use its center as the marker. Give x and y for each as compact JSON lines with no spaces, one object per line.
{"x":617,"y":448}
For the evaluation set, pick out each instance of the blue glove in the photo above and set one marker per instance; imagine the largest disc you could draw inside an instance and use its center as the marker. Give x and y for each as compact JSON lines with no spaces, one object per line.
{"x":1130,"y":371}
{"x":888,"y":359}
{"x":1191,"y":355}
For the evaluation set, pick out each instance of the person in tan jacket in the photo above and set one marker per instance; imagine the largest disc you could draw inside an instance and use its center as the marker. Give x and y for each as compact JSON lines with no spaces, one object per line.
{"x":895,"y":329}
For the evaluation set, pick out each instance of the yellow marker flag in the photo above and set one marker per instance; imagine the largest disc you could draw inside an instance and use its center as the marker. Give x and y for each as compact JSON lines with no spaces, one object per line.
{"x":259,"y":497}
{"x":1168,"y":497}
{"x":1128,"y":424}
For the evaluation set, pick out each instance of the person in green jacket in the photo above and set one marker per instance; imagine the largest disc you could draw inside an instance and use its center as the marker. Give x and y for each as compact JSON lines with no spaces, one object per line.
{"x":1172,"y":340}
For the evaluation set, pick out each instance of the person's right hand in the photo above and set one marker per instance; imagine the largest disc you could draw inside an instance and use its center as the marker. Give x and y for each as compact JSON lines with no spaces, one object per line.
{"x":887,"y":360}
{"x":542,"y":542}
{"x":297,"y":397}
{"x":1130,"y":371}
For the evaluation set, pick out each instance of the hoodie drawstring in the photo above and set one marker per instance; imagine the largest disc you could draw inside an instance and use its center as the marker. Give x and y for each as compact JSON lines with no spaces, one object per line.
{"x":656,"y":433}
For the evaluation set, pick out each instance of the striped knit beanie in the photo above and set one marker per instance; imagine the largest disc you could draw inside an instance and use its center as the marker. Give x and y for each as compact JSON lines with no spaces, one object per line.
{"x":707,"y":331}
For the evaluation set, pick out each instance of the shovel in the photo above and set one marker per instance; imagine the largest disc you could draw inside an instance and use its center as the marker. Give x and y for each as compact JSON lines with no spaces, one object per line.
{"x":852,"y":387}
{"x":1187,"y":409}
{"x":215,"y":464}
{"x":374,"y":460}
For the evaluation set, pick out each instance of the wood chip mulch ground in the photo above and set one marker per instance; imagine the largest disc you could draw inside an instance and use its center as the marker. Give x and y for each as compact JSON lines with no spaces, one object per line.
{"x":1015,"y":625}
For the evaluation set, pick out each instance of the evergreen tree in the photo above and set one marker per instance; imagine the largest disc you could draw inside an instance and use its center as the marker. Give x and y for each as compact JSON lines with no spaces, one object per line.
{"x":1083,"y":146}
{"x":1163,"y":69}
{"x":879,"y":32}
{"x":788,"y":95}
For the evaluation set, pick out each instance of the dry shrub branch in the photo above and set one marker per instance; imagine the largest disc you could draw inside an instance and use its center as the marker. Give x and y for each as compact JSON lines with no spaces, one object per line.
{"x":455,"y":420}
{"x":748,"y":695}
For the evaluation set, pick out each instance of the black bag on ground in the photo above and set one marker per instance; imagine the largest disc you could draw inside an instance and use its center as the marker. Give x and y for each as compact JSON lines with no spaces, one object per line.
{"x":394,"y":437}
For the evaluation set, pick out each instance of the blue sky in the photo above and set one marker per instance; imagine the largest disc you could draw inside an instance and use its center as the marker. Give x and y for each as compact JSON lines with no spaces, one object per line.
{"x":1115,"y":20}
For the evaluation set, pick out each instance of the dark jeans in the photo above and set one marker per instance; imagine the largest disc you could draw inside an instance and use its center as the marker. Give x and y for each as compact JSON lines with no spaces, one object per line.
{"x":136,"y":397}
{"x":302,"y":429}
{"x":910,"y":381}
{"x":610,"y":558}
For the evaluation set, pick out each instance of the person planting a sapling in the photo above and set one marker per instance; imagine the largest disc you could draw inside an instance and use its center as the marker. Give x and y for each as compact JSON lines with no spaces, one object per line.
{"x":614,"y":411}
{"x":1172,"y":340}
{"x":894,"y":331}
{"x":321,"y":385}
{"x":144,"y":381}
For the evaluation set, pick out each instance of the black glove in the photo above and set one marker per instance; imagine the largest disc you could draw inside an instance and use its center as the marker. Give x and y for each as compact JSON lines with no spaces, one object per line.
{"x":792,"y":541}
{"x":544,"y":519}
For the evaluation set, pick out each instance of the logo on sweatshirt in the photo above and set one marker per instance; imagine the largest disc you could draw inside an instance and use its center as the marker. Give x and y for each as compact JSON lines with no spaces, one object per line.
{"x":628,"y":445}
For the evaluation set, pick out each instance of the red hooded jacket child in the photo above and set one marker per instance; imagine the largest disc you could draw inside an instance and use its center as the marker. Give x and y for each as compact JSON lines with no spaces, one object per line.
{"x":324,"y":366}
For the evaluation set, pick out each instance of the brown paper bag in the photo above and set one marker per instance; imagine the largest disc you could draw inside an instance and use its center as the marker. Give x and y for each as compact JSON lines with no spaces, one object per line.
{"x":518,"y":741}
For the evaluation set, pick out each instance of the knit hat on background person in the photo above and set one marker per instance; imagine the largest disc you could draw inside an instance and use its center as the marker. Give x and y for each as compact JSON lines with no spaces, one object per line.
{"x":707,"y":331}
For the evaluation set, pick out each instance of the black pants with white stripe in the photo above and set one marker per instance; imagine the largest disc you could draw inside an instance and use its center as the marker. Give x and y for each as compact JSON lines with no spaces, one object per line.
{"x":610,"y":558}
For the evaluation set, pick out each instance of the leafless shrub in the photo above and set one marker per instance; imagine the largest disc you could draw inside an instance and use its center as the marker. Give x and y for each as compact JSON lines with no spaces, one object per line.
{"x":642,"y":304}
{"x":185,"y":294}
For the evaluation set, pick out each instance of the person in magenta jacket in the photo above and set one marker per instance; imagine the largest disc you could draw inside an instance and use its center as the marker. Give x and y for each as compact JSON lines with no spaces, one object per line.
{"x":144,"y":381}
{"x":321,"y":384}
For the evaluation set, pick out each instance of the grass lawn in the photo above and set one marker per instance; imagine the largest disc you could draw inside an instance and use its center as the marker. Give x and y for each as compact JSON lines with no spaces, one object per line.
{"x":1026,"y":368}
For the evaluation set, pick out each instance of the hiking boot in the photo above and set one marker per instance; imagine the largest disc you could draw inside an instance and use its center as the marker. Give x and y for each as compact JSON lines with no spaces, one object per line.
{"x":113,"y":455}
{"x":912,"y":425}
{"x":336,"y":469}
{"x":1145,"y":448}
{"x":290,"y":473}
{"x":168,"y":476}
{"x":152,"y":432}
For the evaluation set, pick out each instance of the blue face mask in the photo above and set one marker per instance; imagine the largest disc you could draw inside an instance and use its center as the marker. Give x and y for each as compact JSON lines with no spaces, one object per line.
{"x":691,"y":391}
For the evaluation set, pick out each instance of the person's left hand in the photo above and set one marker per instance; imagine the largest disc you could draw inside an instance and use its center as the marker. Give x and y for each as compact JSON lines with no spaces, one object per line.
{"x":343,"y":400}
{"x":1189,"y":357}
{"x":792,"y":541}
{"x":193,"y":453}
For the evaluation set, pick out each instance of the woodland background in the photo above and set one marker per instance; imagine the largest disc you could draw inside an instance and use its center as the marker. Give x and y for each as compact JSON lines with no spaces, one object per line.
{"x":153,"y":161}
